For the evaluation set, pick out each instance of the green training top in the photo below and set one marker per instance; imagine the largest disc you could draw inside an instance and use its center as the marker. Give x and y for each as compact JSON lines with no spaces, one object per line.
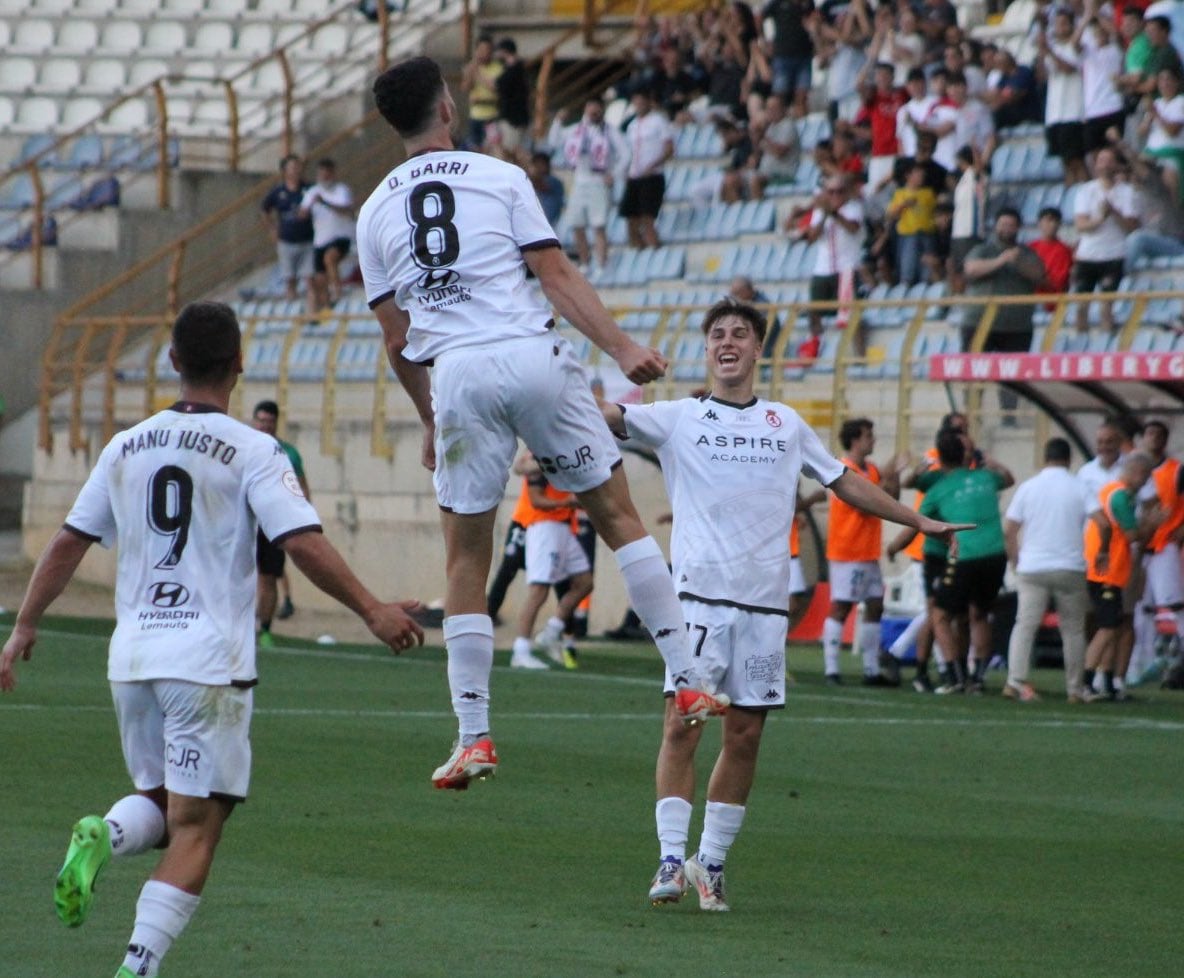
{"x":293,"y":457}
{"x":967,"y":496}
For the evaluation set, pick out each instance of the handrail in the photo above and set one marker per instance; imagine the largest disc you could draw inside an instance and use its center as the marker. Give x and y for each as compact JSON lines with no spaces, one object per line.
{"x":784,"y":367}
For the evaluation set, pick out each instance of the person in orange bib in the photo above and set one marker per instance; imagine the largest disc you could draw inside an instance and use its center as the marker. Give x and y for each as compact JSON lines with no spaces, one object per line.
{"x":853,"y":553}
{"x":1109,"y":534}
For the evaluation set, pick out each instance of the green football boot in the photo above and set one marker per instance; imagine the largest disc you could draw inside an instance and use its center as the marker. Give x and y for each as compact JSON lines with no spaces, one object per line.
{"x":89,"y":852}
{"x":125,"y":972}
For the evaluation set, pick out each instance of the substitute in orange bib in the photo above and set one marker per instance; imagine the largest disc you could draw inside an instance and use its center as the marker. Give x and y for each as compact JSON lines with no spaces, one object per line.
{"x":853,"y":548}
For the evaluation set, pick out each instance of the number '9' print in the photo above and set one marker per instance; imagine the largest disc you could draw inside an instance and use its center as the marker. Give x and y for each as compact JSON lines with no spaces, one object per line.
{"x":170,"y":508}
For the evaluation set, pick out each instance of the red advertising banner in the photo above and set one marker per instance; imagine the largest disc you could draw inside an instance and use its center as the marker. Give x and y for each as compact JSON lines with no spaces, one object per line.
{"x":1061,"y":367}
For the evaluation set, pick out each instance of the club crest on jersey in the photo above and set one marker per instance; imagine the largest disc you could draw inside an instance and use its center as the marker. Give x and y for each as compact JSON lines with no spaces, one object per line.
{"x":435,"y":278}
{"x":292,"y":483}
{"x":773,"y":418}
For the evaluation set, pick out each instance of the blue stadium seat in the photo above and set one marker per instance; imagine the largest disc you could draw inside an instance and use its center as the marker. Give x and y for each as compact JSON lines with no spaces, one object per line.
{"x":17,"y":193}
{"x":85,"y":154}
{"x":306,"y":360}
{"x":34,"y":144}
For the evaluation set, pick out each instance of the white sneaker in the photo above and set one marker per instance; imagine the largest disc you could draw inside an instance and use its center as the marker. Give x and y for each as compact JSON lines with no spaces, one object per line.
{"x":709,"y":881}
{"x":669,"y":883}
{"x":552,"y":646}
{"x":524,"y":660}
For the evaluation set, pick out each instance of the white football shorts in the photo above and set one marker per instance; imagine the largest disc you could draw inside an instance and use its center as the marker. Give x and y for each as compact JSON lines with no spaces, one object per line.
{"x":1164,"y":587}
{"x":588,"y":204}
{"x":855,"y":580}
{"x":193,"y":739}
{"x":797,"y":579}
{"x":487,"y":397}
{"x":741,"y":652}
{"x":553,"y":553}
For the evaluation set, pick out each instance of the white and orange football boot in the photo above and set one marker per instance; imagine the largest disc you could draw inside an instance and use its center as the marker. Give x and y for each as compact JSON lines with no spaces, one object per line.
{"x":477,"y":761}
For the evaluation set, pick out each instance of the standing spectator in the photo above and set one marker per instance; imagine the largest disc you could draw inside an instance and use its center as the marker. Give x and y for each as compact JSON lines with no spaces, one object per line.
{"x":1101,"y":65}
{"x":1004,"y":267}
{"x":877,"y":124}
{"x":853,"y":547}
{"x":479,"y":82}
{"x":651,"y":143}
{"x":1105,"y":466}
{"x":673,"y":87}
{"x":547,"y":187}
{"x":837,"y":223}
{"x":1161,"y":55}
{"x":969,"y":216}
{"x":1014,"y":98}
{"x":1163,"y":129}
{"x":596,"y":152}
{"x":905,"y":43}
{"x":1042,"y":529}
{"x":973,"y":125}
{"x":794,"y":22}
{"x":778,"y":148}
{"x":956,"y":63}
{"x":942,"y":120}
{"x":937,"y":177}
{"x":913,"y":113}
{"x":1104,"y":212}
{"x":291,"y":229}
{"x":513,"y":103}
{"x":912,"y":208}
{"x":844,"y":53}
{"x":937,"y":16}
{"x":330,"y":204}
{"x":1054,"y":253}
{"x":1064,"y":106}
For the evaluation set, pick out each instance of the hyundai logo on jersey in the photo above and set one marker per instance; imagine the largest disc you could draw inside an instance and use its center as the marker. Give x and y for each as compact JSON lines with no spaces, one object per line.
{"x":167,"y":594}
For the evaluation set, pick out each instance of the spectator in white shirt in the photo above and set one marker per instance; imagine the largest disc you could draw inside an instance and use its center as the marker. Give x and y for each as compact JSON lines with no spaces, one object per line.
{"x":837,"y":226}
{"x":650,"y":139}
{"x":1105,"y":211}
{"x":913,"y":113}
{"x":330,"y":203}
{"x":1043,"y":533}
{"x":1064,"y":106}
{"x":1163,"y":128}
{"x":1101,"y":64}
{"x":595,"y":151}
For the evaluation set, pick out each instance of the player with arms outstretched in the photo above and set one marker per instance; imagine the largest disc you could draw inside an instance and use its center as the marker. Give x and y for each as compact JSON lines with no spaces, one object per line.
{"x":182,"y":493}
{"x":731,"y":462}
{"x":444,"y":245}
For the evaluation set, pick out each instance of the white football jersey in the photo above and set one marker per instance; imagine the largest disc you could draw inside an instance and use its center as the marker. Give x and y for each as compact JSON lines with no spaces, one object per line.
{"x":182,"y":493}
{"x":731,"y":473}
{"x":443,"y":235}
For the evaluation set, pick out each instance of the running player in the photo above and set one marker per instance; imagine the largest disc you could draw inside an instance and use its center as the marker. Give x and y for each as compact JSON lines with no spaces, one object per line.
{"x":182,"y":493}
{"x":853,"y":544}
{"x":731,"y":462}
{"x":444,"y":245}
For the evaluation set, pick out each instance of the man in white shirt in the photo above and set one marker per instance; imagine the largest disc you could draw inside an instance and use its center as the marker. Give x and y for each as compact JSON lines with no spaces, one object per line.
{"x":1105,"y":211}
{"x":1106,"y":465}
{"x":1049,"y":560}
{"x":650,"y":139}
{"x":444,"y":245}
{"x":1101,"y":64}
{"x":1064,"y":107}
{"x":182,"y":493}
{"x":330,"y":203}
{"x":596,"y":152}
{"x":913,"y":113}
{"x":731,"y":462}
{"x":837,"y":225}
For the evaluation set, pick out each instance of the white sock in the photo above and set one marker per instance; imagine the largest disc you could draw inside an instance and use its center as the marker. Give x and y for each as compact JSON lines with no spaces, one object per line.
{"x":554,"y":628}
{"x":832,"y":642}
{"x":522,"y":647}
{"x":939,"y":655}
{"x":137,"y":825}
{"x":721,"y":825}
{"x":469,"y":641}
{"x":908,"y":636}
{"x":651,"y":592}
{"x":869,"y":645}
{"x":162,"y":912}
{"x":673,"y":817}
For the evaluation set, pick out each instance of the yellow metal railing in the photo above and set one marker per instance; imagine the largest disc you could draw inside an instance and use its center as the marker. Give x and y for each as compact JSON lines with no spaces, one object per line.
{"x":103,"y":383}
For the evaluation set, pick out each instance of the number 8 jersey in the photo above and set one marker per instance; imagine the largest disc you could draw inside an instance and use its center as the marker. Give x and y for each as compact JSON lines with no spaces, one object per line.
{"x":181,"y":493}
{"x":443,"y":235}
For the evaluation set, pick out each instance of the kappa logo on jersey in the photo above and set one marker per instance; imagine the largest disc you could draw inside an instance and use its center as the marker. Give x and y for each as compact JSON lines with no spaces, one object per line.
{"x":710,"y":416}
{"x":437,"y":279}
{"x":773,"y":418}
{"x":168,"y":594}
{"x":566,"y":463}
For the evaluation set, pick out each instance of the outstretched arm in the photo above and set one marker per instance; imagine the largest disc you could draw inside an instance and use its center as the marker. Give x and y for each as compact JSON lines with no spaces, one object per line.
{"x":865,"y":495}
{"x":55,"y":567}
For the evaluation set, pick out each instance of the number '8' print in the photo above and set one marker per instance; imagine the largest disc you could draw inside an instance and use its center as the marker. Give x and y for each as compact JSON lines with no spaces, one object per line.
{"x":434,"y":239}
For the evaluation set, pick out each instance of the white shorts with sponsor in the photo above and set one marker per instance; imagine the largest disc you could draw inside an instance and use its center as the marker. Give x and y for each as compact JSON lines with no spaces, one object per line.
{"x":553,"y":553}
{"x":588,"y":204}
{"x":797,"y":579}
{"x":487,"y":397}
{"x":741,"y":652}
{"x":191,"y":738}
{"x":855,"y":580}
{"x":1164,"y":587}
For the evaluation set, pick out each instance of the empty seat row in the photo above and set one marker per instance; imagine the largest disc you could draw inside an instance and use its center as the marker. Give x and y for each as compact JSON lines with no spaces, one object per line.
{"x":135,"y":8}
{"x":628,"y":266}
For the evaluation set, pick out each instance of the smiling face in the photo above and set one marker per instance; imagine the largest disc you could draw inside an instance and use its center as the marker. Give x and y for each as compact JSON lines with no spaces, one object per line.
{"x":732,"y":351}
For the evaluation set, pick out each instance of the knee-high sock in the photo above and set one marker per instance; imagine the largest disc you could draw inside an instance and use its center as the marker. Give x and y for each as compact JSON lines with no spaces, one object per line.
{"x":673,"y":817}
{"x":136,"y":824}
{"x":721,"y":825}
{"x":869,"y":645}
{"x":651,"y":592}
{"x":162,"y":912}
{"x":469,"y":641}
{"x":832,"y":642}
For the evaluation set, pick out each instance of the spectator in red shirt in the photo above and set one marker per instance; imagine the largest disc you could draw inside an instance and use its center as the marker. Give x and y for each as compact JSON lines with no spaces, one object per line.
{"x":876,"y":123}
{"x":847,"y":159}
{"x":1054,"y":253}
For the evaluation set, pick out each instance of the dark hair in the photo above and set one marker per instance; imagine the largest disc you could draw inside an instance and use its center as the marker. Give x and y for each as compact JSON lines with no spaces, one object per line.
{"x":965,"y":154}
{"x":1128,"y":424}
{"x":540,"y":157}
{"x":267,"y":407}
{"x":939,"y":73}
{"x":1051,"y":212}
{"x":1009,"y":212}
{"x":741,"y":310}
{"x":885,"y":66}
{"x":1057,"y":450}
{"x":1156,"y":424}
{"x":951,"y":450}
{"x":598,"y":99}
{"x":406,"y":95}
{"x":207,"y":342}
{"x":326,"y":164}
{"x":506,"y":44}
{"x":947,"y":421}
{"x":1161,"y":22}
{"x":915,"y":74}
{"x":955,"y":78}
{"x":853,"y":428}
{"x":928,"y":140}
{"x":290,"y":158}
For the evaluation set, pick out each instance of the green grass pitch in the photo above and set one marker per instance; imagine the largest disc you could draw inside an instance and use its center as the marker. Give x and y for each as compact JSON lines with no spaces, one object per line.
{"x":888,"y":835}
